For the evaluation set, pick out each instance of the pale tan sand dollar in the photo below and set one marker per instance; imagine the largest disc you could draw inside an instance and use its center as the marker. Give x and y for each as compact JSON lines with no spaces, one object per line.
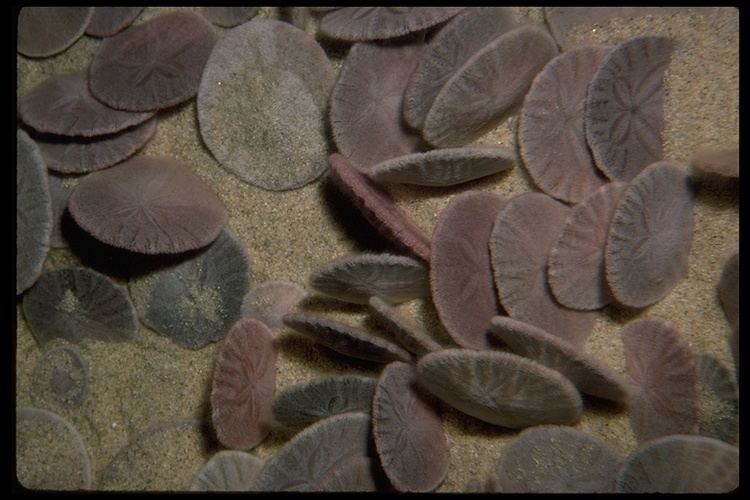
{"x":575,"y":267}
{"x":229,"y":17}
{"x":729,"y":289}
{"x":46,"y":31}
{"x":78,"y":155}
{"x":550,"y":134}
{"x":719,"y":400}
{"x":443,"y":167}
{"x":378,"y":208}
{"x":59,"y":191}
{"x":228,"y":470}
{"x":664,"y":396}
{"x":681,"y":464}
{"x":305,"y":403}
{"x":33,"y":212}
{"x":356,"y":278}
{"x":50,"y":454}
{"x":262,"y":104}
{"x":461,"y":281}
{"x":108,"y":21}
{"x":346,"y":339}
{"x":194,"y":301}
{"x":588,"y":374}
{"x":459,"y":39}
{"x":63,"y":105}
{"x":270,"y":301}
{"x":153,"y":65}
{"x":147,"y":461}
{"x":408,"y":431}
{"x":76,"y":303}
{"x":355,"y":24}
{"x":480,"y":94}
{"x":410,"y":335}
{"x":558,"y":459}
{"x":366,"y":103}
{"x":650,"y":235}
{"x":624,"y":116}
{"x":148,"y":204}
{"x":521,"y":240}
{"x":314,"y":457}
{"x":243,"y":385}
{"x":723,"y":162}
{"x":500,"y":388}
{"x":60,"y":378}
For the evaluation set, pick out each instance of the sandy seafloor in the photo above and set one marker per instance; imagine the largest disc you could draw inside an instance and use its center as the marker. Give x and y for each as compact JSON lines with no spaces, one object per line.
{"x":287,"y":235}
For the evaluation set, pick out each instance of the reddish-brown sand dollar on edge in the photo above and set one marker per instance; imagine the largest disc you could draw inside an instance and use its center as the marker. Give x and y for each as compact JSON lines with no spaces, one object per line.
{"x":243,"y":385}
{"x":378,"y":207}
{"x":148,"y":205}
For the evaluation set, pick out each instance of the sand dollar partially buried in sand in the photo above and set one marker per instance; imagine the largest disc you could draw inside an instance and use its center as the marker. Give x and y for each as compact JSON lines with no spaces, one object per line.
{"x":150,"y":205}
{"x":60,"y":377}
{"x":195,"y":300}
{"x":262,"y":102}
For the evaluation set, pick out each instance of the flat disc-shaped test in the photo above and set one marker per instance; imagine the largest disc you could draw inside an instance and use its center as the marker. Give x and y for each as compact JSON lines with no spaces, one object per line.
{"x":228,"y":470}
{"x":153,"y":65}
{"x":366,"y":103}
{"x":448,"y":50}
{"x":46,"y":31}
{"x":33,"y":212}
{"x":63,"y":105}
{"x":356,"y":278}
{"x":557,"y":459}
{"x":650,"y":235}
{"x":586,"y":372}
{"x":575,"y":269}
{"x":550,"y":133}
{"x":723,"y":162}
{"x":443,"y":167}
{"x":228,"y":17}
{"x":487,"y":86}
{"x":60,"y":377}
{"x":729,"y":289}
{"x":355,"y":24}
{"x":520,"y":243}
{"x":77,"y":155}
{"x":661,"y":367}
{"x":500,"y":388}
{"x":195,"y":301}
{"x":346,"y":339}
{"x":148,"y":204}
{"x":243,"y":385}
{"x":408,"y":431}
{"x":108,"y":21}
{"x":681,"y":464}
{"x":311,"y":460}
{"x":624,"y":115}
{"x":463,"y":290}
{"x":78,"y":303}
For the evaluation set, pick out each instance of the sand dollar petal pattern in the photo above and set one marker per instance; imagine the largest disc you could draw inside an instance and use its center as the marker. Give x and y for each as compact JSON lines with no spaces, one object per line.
{"x":309,"y":460}
{"x":624,"y":115}
{"x":355,"y":24}
{"x":33,"y":212}
{"x":550,"y":133}
{"x":153,"y":65}
{"x":195,"y":300}
{"x":681,"y":464}
{"x":408,"y":431}
{"x":521,"y":240}
{"x":460,"y":270}
{"x":500,"y":388}
{"x":356,"y":278}
{"x":243,"y":385}
{"x":228,"y":470}
{"x":77,"y":303}
{"x":46,"y":31}
{"x":557,"y":459}
{"x":61,"y":377}
{"x":664,"y":397}
{"x":650,"y":235}
{"x":479,"y":95}
{"x":575,"y":267}
{"x":148,"y":204}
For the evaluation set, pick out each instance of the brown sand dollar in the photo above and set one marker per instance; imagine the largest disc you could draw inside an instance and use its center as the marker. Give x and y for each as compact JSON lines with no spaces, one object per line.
{"x":355,"y":24}
{"x":46,"y":31}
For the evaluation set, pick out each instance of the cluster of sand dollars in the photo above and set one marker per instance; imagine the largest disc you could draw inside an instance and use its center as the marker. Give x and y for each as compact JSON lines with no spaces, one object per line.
{"x":514,"y":281}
